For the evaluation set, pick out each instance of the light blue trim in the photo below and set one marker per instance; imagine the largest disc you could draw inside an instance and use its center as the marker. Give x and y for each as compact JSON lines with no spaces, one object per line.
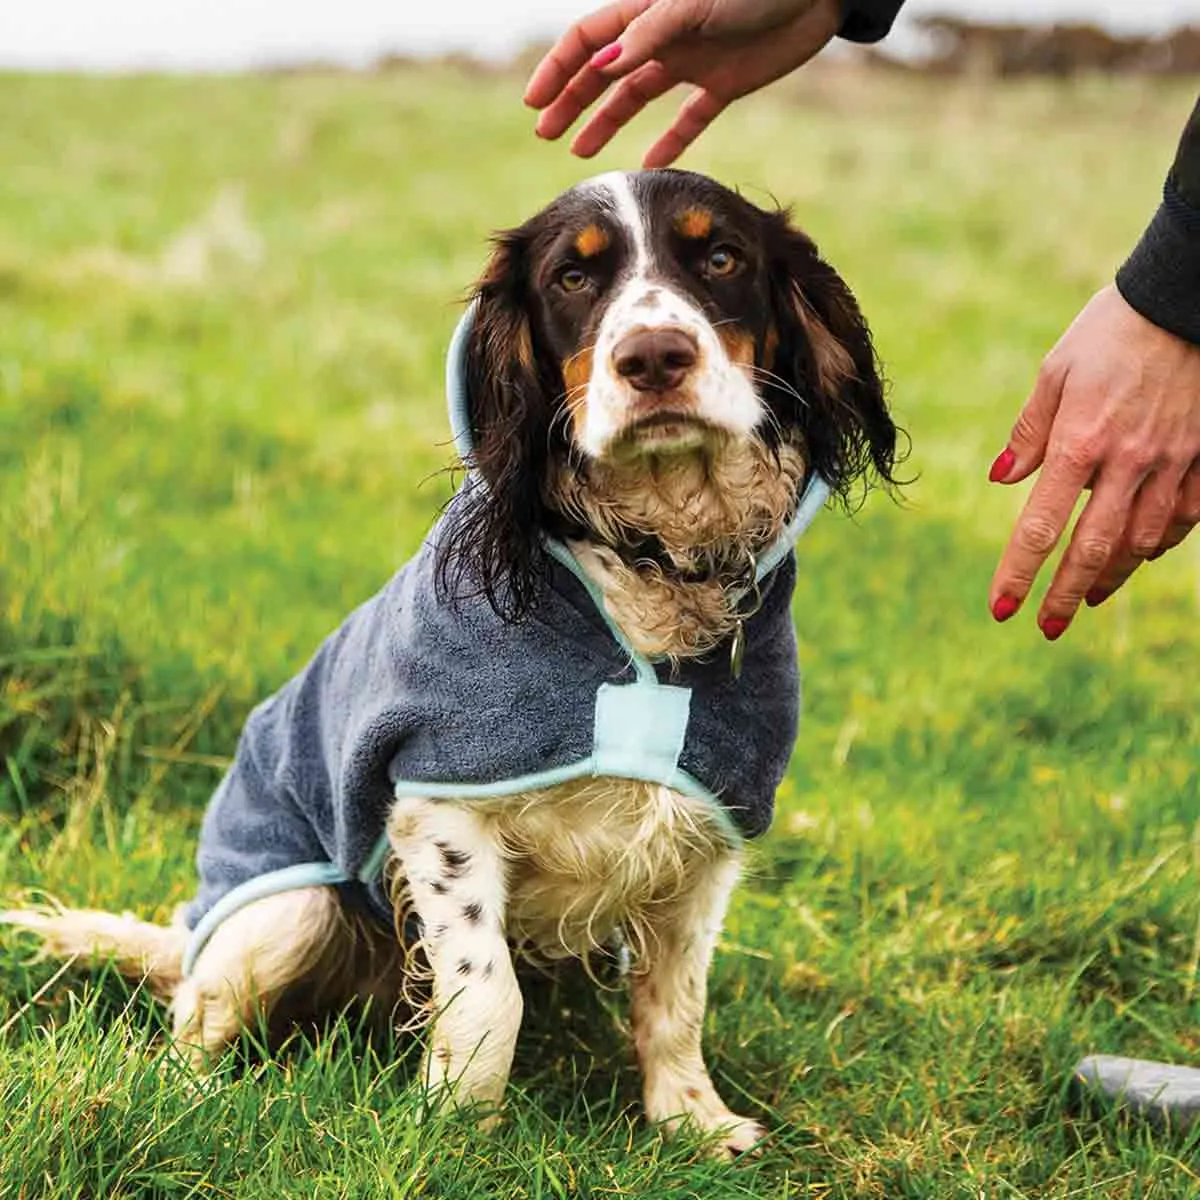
{"x":641,"y":664}
{"x":372,"y":868}
{"x":679,"y":780}
{"x":456,"y":384}
{"x":816,"y":492}
{"x":286,"y":879}
{"x":639,"y":729}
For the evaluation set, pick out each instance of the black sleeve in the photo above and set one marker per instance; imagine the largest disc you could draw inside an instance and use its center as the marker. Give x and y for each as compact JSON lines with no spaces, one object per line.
{"x":1161,"y":278}
{"x":867,"y":20}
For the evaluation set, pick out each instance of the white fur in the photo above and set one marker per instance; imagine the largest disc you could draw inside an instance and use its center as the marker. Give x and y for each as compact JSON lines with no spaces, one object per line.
{"x":155,"y":952}
{"x":453,"y":866}
{"x":558,"y":871}
{"x":615,"y":186}
{"x":718,"y":391}
{"x":669,"y":996}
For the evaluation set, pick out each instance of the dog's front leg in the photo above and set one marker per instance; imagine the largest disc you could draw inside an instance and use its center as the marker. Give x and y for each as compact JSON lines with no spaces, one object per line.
{"x":457,"y":878}
{"x":669,"y":994}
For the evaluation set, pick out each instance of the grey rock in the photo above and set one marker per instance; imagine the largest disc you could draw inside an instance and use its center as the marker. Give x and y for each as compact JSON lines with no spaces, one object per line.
{"x":1163,"y":1092}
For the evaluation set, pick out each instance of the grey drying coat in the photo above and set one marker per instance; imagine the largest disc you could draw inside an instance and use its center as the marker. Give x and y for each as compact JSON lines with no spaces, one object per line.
{"x":416,"y":695}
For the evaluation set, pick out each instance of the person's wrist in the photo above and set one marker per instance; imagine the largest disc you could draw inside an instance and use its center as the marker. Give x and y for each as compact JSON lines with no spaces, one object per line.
{"x":1161,"y":277}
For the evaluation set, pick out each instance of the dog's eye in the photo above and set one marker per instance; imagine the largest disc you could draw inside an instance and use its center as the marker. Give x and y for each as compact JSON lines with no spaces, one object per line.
{"x":722,"y":261}
{"x":572,"y":279}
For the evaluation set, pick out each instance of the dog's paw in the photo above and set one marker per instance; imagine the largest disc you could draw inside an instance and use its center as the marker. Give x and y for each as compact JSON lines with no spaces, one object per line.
{"x":701,"y":1109}
{"x":740,"y":1136}
{"x":439,"y":1094}
{"x":432,"y":1103}
{"x":727,"y":1135}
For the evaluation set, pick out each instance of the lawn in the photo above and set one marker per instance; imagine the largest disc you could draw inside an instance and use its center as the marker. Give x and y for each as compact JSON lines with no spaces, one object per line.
{"x":223,"y":310}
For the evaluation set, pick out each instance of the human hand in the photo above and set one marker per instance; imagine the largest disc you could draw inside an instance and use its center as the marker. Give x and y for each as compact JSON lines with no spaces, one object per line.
{"x":1116,"y":407}
{"x":728,"y":48}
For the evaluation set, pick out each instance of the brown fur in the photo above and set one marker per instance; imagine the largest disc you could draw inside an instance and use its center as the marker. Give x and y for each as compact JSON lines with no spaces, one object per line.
{"x":738,"y":343}
{"x":694,"y":223}
{"x":592,"y":856}
{"x":591,"y":240}
{"x":710,"y":509}
{"x":835,"y":366}
{"x":577,"y":370}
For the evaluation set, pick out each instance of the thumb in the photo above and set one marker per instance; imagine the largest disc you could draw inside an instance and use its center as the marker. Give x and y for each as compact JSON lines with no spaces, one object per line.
{"x":1030,"y":434}
{"x":647,"y":35}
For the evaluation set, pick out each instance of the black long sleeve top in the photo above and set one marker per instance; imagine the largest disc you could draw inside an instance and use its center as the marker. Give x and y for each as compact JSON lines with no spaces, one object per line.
{"x":1161,"y":278}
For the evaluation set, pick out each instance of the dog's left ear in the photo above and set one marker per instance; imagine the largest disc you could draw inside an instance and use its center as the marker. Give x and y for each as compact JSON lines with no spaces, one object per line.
{"x":822,"y":348}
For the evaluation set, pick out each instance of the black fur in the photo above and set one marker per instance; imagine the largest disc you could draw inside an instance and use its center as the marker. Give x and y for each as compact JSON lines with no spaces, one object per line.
{"x":849,"y":435}
{"x":524,"y":330}
{"x":494,"y":546}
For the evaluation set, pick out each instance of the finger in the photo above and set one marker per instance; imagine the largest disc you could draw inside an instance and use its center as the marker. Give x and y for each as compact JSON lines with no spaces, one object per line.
{"x":1036,"y":532}
{"x":1030,"y":435}
{"x":1154,"y":510}
{"x":695,"y":115}
{"x":1095,"y":539}
{"x":579,"y":94}
{"x":1114,"y":576}
{"x":1188,"y":507}
{"x":659,"y":25}
{"x":628,"y":99}
{"x":1181,"y":517}
{"x":1176,"y":532}
{"x":572,"y":52}
{"x":1187,"y":513}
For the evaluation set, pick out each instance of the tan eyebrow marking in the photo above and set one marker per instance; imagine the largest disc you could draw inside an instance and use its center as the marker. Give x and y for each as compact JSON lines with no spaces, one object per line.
{"x":694,"y":223}
{"x":739,"y":344}
{"x":590,"y":241}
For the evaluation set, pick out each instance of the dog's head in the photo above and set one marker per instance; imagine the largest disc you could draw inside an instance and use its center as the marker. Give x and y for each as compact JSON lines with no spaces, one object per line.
{"x":655,"y":361}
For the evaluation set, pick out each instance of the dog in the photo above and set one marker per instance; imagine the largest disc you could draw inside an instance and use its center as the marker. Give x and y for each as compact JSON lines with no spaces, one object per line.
{"x":559,"y":723}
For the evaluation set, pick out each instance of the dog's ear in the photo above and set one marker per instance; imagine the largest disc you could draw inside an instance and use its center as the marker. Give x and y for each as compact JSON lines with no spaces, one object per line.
{"x":822,"y":348}
{"x":493,"y":546}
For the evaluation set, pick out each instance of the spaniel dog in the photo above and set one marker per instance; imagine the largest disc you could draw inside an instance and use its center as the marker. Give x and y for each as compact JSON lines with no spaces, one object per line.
{"x":559,"y":722}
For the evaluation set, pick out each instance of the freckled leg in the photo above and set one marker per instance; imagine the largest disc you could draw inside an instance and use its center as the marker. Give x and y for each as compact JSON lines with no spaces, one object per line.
{"x":669,"y":996}
{"x":457,"y":877}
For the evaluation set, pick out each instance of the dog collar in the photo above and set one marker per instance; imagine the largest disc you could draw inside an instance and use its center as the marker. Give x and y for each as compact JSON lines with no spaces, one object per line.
{"x":812,"y":499}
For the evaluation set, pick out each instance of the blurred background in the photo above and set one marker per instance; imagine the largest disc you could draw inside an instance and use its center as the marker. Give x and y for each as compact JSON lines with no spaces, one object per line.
{"x":234,"y":239}
{"x":226,"y":34}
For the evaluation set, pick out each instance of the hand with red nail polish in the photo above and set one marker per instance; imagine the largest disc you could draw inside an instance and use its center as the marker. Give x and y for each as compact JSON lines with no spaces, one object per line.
{"x":1004,"y":607}
{"x":603,"y":58}
{"x":1053,"y":628}
{"x":641,"y":48}
{"x":1005,"y":461}
{"x":1115,"y":409}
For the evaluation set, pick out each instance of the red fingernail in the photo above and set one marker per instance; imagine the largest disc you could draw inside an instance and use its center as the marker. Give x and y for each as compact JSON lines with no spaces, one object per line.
{"x":1097,"y":596}
{"x":1004,"y":607}
{"x":1001,"y":467}
{"x":1157,"y":554}
{"x":602,"y":58}
{"x":1053,"y":628}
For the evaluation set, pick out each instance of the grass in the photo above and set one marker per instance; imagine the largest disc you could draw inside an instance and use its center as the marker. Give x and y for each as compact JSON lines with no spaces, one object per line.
{"x":223,"y":309}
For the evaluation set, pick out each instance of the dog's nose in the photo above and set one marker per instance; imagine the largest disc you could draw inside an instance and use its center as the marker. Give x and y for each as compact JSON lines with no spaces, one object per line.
{"x":655,"y":360}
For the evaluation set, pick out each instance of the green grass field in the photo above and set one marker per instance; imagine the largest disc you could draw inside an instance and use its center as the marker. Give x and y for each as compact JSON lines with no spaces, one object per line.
{"x":223,"y":310}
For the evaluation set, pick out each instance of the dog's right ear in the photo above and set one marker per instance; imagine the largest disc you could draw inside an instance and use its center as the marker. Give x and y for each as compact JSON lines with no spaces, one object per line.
{"x":825,"y":354}
{"x":495,"y":546}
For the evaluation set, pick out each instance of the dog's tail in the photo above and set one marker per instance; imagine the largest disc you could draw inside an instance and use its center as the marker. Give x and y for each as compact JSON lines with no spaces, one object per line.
{"x":138,"y":950}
